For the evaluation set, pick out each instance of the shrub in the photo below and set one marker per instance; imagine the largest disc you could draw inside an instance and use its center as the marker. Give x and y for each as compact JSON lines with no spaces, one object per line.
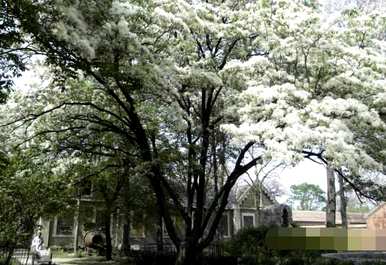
{"x":378,"y":262}
{"x":247,"y":242}
{"x":249,"y":245}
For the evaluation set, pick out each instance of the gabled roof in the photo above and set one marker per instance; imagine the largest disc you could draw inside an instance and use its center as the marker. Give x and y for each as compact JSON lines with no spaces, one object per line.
{"x":244,"y":191}
{"x":373,"y":211}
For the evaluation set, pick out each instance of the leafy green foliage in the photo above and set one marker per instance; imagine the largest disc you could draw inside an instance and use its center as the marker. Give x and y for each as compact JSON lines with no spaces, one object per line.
{"x":248,"y":244}
{"x":27,"y":193}
{"x":152,"y":83}
{"x":248,"y":241}
{"x":12,"y":60}
{"x":307,"y":197}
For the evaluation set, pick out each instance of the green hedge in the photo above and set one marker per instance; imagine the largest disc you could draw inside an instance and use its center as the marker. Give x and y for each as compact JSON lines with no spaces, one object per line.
{"x":249,"y":245}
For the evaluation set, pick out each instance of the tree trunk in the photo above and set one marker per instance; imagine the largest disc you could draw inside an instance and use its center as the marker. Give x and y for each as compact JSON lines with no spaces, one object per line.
{"x":126,"y":227}
{"x":215,"y":167}
{"x":107,"y":224}
{"x":160,"y":236}
{"x":331,"y":199}
{"x":258,"y":201}
{"x":8,"y":259}
{"x":188,"y":255}
{"x":343,"y":202}
{"x":126,"y":238}
{"x":76,"y":228}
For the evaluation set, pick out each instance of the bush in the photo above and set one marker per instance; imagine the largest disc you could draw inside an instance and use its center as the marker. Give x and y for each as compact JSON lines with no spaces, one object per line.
{"x":247,"y":242}
{"x":378,"y":262}
{"x":249,"y":245}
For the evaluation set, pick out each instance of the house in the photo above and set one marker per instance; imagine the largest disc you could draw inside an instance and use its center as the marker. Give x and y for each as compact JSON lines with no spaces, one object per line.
{"x":242,"y":211}
{"x":61,"y":230}
{"x":376,"y":219}
{"x":318,"y":219}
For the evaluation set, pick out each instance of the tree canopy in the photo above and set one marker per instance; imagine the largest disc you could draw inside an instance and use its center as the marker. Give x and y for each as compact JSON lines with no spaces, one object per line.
{"x":181,"y":90}
{"x":307,"y":197}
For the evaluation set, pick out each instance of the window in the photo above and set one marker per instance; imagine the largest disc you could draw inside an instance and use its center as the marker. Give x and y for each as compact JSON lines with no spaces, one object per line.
{"x":86,"y":188}
{"x":285,"y":218}
{"x":64,"y":224}
{"x":87,"y":217}
{"x":137,"y":231}
{"x":223,"y":227}
{"x":99,"y":218}
{"x":248,"y":220}
{"x":87,"y":214}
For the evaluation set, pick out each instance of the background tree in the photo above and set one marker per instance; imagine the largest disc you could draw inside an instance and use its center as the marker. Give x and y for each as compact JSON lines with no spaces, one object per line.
{"x":13,"y":54}
{"x":29,"y":190}
{"x":307,"y":197}
{"x":354,"y":205}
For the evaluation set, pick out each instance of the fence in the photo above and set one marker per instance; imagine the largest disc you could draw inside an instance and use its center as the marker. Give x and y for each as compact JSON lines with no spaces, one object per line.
{"x":148,"y":254}
{"x":214,"y":249}
{"x":21,"y":254}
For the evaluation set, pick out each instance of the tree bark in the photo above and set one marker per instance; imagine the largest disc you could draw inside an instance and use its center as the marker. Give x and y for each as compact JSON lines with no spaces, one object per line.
{"x":214,"y":163}
{"x":107,"y":224}
{"x":126,"y":227}
{"x":126,"y":238}
{"x":10,"y":251}
{"x":160,"y":236}
{"x":343,"y":202}
{"x":331,"y":198}
{"x":258,"y":201}
{"x":76,"y":228}
{"x":189,"y":255}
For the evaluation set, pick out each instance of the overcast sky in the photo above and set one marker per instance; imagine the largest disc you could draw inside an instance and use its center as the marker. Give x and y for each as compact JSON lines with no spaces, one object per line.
{"x":306,"y":171}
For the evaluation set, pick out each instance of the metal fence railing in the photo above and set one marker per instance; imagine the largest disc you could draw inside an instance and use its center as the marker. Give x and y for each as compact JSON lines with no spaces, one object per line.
{"x":20,"y":254}
{"x":23,"y":256}
{"x":213,"y":249}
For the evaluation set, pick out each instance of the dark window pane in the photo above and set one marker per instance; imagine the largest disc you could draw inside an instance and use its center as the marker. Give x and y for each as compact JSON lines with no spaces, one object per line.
{"x":64,"y":225}
{"x":223,"y":227}
{"x":248,"y":220}
{"x":99,"y":219}
{"x":86,"y":188}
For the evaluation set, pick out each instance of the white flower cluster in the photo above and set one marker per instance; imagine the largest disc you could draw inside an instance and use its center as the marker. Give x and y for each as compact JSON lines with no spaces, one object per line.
{"x":317,"y":90}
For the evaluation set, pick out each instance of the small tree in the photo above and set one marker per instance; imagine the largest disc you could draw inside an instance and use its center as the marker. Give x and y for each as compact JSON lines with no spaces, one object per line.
{"x":307,"y":197}
{"x":28,"y":191}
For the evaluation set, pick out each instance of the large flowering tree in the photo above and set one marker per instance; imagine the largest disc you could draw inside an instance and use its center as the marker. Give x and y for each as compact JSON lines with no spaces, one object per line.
{"x":163,"y":75}
{"x":318,"y":90}
{"x":146,"y":59}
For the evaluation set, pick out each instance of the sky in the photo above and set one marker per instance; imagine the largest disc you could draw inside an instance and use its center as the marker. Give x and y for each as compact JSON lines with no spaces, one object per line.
{"x":305,"y":171}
